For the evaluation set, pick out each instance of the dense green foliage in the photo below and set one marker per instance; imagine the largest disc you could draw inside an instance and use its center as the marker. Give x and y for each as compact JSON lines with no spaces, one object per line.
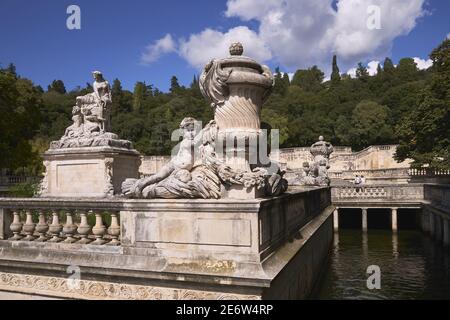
{"x":425,"y":130}
{"x":400,"y":104}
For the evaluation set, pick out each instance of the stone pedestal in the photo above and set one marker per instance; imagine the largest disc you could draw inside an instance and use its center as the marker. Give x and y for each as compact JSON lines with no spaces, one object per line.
{"x":88,"y":172}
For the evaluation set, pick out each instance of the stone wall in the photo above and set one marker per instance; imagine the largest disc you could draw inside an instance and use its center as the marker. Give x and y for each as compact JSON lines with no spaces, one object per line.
{"x":343,"y":159}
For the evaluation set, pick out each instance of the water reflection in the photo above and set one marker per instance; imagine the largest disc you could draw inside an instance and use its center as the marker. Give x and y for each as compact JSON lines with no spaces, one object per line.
{"x":412,"y":266}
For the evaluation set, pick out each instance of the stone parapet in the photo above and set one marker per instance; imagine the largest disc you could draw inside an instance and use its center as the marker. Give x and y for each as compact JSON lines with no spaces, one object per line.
{"x":185,"y":249}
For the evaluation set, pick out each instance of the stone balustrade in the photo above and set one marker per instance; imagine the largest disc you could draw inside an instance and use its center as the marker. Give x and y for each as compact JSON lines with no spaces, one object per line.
{"x":54,"y":221}
{"x":378,"y":195}
{"x":428,"y":172}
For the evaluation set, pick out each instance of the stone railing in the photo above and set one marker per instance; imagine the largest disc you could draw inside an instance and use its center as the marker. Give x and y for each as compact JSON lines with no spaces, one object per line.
{"x":53,"y":221}
{"x":11,"y":180}
{"x":397,"y":173}
{"x":378,"y":193}
{"x":428,"y":173}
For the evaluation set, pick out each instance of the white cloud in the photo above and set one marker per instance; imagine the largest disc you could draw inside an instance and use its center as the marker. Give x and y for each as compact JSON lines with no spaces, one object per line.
{"x":352,"y":72}
{"x":154,"y":51}
{"x":372,"y":67}
{"x":448,"y":36}
{"x":302,"y":33}
{"x":423,"y":64}
{"x":200,"y":48}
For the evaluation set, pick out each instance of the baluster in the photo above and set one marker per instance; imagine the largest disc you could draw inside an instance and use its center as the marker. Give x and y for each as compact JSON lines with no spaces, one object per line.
{"x":69,"y":228}
{"x":84,"y":228}
{"x":29,"y":227}
{"x":42,"y":227}
{"x":55,"y":228}
{"x":99,"y":229}
{"x":114,"y":230}
{"x":16,"y":226}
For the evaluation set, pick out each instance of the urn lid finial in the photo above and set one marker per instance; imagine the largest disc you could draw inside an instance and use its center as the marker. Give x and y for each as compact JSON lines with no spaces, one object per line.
{"x":236,"y":49}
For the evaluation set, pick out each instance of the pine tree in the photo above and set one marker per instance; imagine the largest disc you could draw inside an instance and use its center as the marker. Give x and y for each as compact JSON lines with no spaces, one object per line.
{"x":57,"y":86}
{"x":286,"y":80}
{"x":335,"y":74}
{"x":11,"y":68}
{"x":139,"y":95}
{"x":194,"y":83}
{"x":361,"y":72}
{"x":379,"y":69}
{"x":174,"y":85}
{"x":388,"y":66}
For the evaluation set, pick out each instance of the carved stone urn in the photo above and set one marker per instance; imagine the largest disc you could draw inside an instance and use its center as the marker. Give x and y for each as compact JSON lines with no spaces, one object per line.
{"x":237,"y":86}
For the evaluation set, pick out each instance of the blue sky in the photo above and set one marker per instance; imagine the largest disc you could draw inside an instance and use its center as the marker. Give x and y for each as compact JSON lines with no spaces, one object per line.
{"x":116,"y":35}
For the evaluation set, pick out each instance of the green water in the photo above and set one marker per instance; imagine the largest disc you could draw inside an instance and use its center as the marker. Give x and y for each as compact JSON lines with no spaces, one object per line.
{"x":412,"y":266}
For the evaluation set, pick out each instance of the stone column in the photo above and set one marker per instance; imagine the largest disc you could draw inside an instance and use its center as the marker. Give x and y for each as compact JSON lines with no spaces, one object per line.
{"x":336,"y":219}
{"x":394,"y":219}
{"x":446,"y":223}
{"x":364,"y":219}
{"x":5,"y":222}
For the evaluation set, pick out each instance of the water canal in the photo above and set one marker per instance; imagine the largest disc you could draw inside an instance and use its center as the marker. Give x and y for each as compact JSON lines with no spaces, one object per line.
{"x":412,"y":265}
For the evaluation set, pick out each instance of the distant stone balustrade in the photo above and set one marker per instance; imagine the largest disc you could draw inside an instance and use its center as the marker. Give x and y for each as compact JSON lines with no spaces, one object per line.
{"x":378,"y":195}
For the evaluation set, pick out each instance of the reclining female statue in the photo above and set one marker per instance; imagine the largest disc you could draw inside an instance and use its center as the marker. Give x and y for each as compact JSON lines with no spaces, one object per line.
{"x":174,"y":176}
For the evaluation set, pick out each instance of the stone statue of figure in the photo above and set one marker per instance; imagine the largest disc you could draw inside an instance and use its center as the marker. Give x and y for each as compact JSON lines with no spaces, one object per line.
{"x":316,"y":173}
{"x":96,"y":106}
{"x":172,"y":175}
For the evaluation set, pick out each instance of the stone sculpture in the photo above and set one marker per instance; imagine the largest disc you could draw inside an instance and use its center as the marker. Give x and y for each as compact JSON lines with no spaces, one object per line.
{"x":89,"y":160}
{"x":236,"y":87}
{"x":316,"y":173}
{"x":92,"y":120}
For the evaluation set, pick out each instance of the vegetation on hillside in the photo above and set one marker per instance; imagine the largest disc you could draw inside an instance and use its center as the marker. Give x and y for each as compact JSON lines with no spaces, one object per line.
{"x":400,"y":104}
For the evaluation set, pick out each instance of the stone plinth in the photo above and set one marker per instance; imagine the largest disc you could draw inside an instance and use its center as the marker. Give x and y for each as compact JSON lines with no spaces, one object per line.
{"x":237,"y":231}
{"x":88,"y":172}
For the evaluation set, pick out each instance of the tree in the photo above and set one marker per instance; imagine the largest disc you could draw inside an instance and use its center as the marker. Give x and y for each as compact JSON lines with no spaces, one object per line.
{"x":174,"y":85}
{"x":309,"y":80}
{"x":370,"y":125}
{"x":280,"y":86}
{"x":57,"y":86}
{"x":407,"y":70}
{"x":139,"y":95}
{"x":361,"y":72}
{"x":335,"y":74}
{"x":388,"y":66}
{"x":425,"y":131}
{"x":20,"y":105}
{"x":379,"y":69}
{"x":286,"y":80}
{"x":11,"y":68}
